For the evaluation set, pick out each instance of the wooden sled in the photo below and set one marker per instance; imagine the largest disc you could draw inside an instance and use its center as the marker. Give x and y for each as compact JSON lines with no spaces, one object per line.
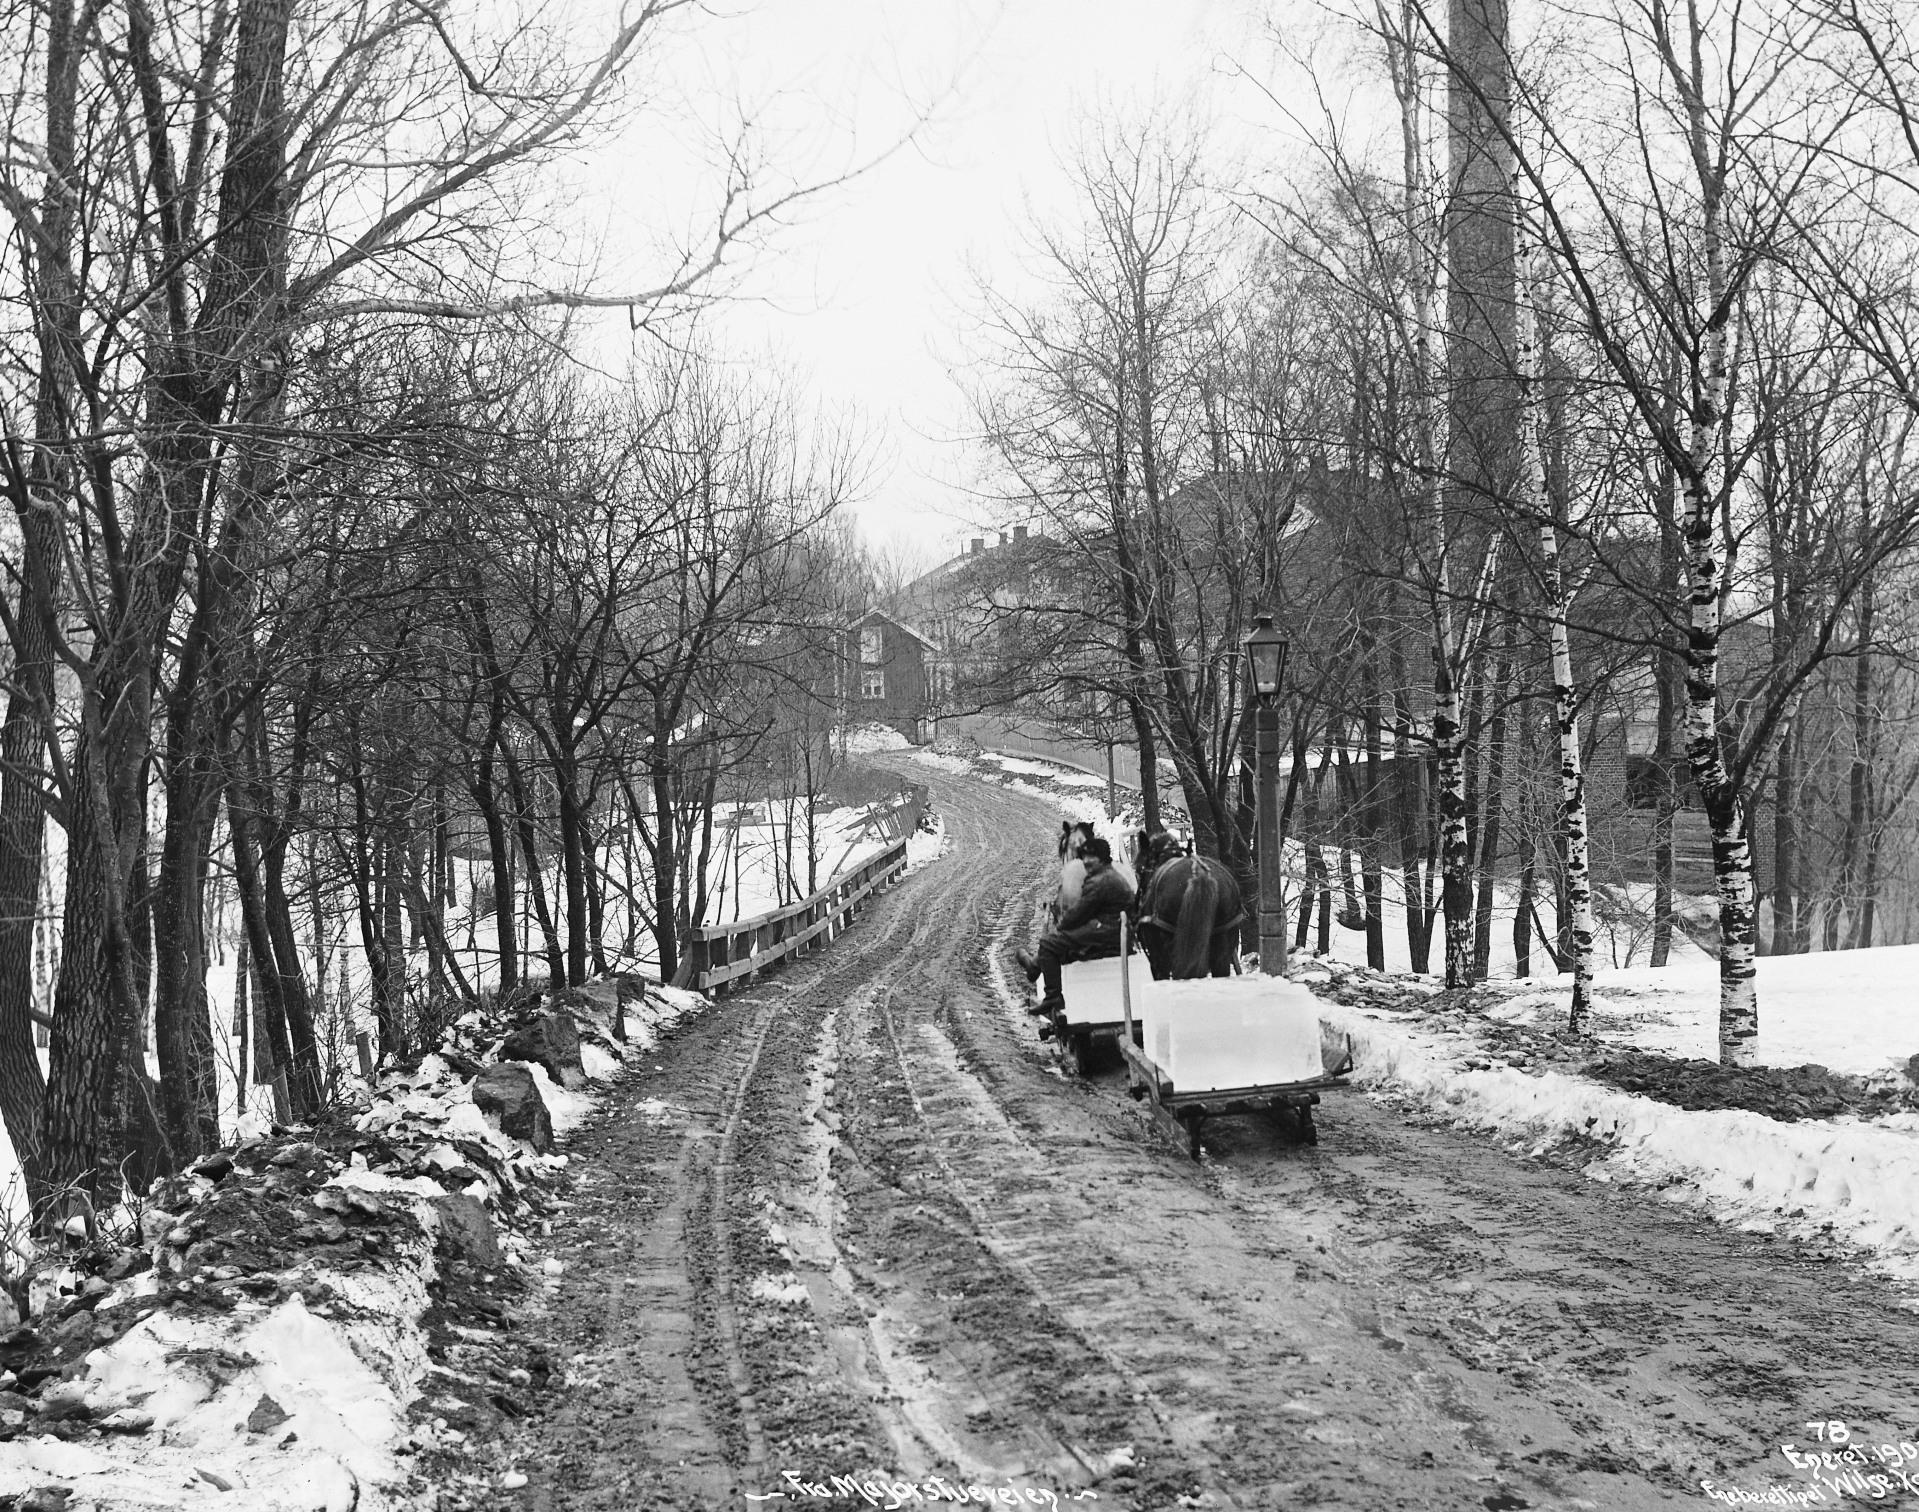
{"x":1183,"y":1112}
{"x":1095,"y":994}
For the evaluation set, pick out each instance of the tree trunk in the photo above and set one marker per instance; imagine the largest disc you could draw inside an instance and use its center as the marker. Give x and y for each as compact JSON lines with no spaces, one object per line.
{"x":486,"y":797}
{"x":1786,"y":798}
{"x":1148,"y":747}
{"x":1409,"y":813}
{"x":1719,"y":786}
{"x":272,"y":1052}
{"x":666,"y":877}
{"x":183,"y":1029}
{"x":1372,"y":881}
{"x":572,"y":868}
{"x":1666,"y":759}
{"x":1492,"y":802}
{"x":28,"y":726}
{"x":1845,"y":907}
{"x":94,"y":1010}
{"x":1577,"y":948}
{"x":1718,"y":789}
{"x":242,"y":1022}
{"x":535,"y":881}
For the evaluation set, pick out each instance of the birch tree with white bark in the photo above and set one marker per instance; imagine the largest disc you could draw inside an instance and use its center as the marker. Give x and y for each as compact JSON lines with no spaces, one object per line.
{"x":1536,"y":502}
{"x":1655,"y":250}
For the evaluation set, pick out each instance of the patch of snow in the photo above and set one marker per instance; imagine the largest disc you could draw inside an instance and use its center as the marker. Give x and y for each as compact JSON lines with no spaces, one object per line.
{"x":567,"y":1108}
{"x":789,"y":1292}
{"x":378,"y":1181}
{"x":253,"y":1124}
{"x":600,"y":1064}
{"x":343,"y":1386}
{"x":863,"y":738}
{"x":925,"y":846}
{"x":1022,"y":766}
{"x":941,"y":761}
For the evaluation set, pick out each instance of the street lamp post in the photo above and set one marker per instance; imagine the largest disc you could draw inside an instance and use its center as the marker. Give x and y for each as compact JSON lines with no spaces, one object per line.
{"x":1266,"y":664}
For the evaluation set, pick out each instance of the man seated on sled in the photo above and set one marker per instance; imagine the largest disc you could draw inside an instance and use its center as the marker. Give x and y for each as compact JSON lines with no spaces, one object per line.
{"x":1087,"y":930}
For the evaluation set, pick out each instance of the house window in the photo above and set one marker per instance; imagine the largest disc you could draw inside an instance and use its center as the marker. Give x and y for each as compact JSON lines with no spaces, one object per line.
{"x":870,"y":648}
{"x":873,"y":684}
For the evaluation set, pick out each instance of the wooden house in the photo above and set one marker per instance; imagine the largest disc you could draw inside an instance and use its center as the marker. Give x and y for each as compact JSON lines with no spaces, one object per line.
{"x":888,"y":675}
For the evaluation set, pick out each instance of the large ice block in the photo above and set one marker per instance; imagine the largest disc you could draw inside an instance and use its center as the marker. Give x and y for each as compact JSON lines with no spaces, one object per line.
{"x":1092,"y":989}
{"x":1222,"y":1032}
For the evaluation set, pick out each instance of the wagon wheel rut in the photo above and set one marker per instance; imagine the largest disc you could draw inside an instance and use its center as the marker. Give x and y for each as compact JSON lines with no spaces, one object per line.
{"x":858,"y":1219}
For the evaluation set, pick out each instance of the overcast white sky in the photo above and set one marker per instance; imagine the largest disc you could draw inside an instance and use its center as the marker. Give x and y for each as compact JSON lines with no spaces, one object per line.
{"x":863,"y":298}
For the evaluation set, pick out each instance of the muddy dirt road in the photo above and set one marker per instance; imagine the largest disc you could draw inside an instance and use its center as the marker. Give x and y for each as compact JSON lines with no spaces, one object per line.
{"x":855,"y":1220}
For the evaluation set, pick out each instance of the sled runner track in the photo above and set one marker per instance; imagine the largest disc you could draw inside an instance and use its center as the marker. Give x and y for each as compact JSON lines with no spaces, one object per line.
{"x":990,"y":1229}
{"x":955,"y":1111}
{"x":723,"y":1280}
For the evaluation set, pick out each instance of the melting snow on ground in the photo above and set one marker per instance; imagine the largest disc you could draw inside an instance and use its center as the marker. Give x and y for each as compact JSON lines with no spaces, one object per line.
{"x":862,"y":738}
{"x":1845,"y":1179}
{"x":298,"y":1404}
{"x":927,"y":844}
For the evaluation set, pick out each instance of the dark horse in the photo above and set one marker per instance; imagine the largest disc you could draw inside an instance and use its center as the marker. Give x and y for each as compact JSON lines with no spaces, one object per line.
{"x":1189,"y":911}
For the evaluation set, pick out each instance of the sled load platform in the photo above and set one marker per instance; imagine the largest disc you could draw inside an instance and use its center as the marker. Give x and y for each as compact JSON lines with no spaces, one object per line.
{"x":1095,"y":995}
{"x":1220,"y":1047}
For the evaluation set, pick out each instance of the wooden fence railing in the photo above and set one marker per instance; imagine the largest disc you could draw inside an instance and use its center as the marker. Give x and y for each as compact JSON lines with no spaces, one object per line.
{"x":719,"y":955}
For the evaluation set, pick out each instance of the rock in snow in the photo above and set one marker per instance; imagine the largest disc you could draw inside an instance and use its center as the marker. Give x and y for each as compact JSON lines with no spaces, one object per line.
{"x":509,"y":1093}
{"x":466,"y":1229}
{"x":553,"y":1041}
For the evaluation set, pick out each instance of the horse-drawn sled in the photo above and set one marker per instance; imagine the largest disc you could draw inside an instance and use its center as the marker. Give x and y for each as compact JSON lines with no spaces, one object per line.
{"x":1198,"y":1042}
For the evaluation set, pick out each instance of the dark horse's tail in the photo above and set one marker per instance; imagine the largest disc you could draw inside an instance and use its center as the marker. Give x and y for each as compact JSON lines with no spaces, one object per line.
{"x":1199,"y":907}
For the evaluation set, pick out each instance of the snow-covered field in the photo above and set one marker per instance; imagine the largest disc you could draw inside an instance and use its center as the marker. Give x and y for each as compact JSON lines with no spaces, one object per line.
{"x":1855,"y":1011}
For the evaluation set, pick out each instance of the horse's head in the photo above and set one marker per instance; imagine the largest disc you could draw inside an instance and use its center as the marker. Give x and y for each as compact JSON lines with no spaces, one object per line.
{"x":1152,"y":849}
{"x":1073,"y":835}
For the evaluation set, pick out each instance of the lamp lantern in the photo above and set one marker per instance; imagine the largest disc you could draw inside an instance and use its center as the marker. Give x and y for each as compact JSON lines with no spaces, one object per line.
{"x":1266,"y":657}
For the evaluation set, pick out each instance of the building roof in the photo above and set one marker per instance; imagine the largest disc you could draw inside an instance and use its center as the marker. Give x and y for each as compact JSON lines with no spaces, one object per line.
{"x":894,"y":620}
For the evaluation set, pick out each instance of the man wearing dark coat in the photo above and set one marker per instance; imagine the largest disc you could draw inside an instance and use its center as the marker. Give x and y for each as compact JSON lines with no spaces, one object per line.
{"x":1086,"y":931}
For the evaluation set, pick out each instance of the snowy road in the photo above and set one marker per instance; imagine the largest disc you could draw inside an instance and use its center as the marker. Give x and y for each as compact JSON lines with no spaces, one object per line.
{"x":854,"y":1220}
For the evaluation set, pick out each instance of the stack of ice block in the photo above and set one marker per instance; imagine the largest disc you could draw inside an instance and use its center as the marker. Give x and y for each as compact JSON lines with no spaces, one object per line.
{"x":1092,"y":989}
{"x":1222,"y":1032}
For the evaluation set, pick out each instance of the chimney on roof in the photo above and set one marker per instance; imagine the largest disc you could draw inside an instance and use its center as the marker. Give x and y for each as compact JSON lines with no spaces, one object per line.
{"x":1002,"y":538}
{"x":1019,"y":532}
{"x":976,"y":545}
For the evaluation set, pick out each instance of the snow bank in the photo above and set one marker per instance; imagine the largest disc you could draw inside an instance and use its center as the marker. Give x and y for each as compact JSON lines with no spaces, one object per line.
{"x":277,"y":1407}
{"x":341,"y":1386}
{"x":1847,"y":1180}
{"x":289,"y":1393}
{"x":927,"y":844}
